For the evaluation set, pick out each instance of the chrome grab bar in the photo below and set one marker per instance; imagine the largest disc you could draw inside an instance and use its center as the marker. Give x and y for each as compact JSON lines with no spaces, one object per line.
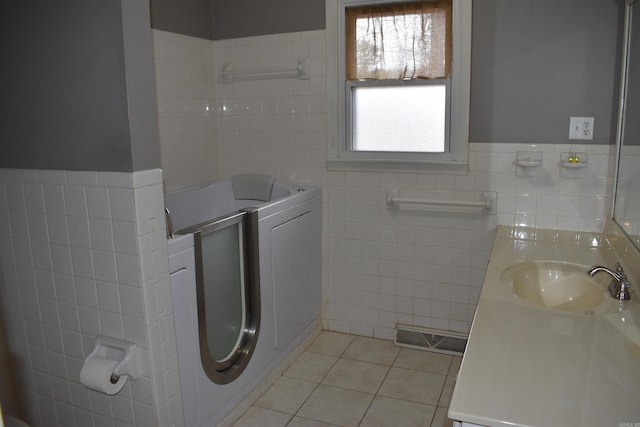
{"x":169,"y":221}
{"x":488,"y":203}
{"x":215,"y":224}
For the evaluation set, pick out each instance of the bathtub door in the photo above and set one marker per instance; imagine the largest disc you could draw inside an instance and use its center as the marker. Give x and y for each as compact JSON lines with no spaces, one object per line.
{"x":227,"y":287}
{"x":224,"y":295}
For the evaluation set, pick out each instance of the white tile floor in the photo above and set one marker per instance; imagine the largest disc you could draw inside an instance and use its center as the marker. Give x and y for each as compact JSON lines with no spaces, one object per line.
{"x":344,"y":380}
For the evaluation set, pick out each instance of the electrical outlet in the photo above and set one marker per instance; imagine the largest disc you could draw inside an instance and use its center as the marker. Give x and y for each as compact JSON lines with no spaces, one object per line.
{"x":581,"y":128}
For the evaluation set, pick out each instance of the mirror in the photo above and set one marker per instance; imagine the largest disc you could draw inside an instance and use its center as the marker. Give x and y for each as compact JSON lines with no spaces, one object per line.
{"x":627,"y":191}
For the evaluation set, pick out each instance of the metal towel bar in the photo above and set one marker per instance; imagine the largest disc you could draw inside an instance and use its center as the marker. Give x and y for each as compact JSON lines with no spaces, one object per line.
{"x":488,"y":204}
{"x":229,"y":75}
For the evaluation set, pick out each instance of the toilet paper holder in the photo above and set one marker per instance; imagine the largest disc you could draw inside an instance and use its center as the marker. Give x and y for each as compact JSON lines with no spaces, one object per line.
{"x":123,"y":352}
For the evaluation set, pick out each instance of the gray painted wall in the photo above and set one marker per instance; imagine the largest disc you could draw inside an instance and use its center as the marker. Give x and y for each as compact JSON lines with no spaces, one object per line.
{"x":227,"y":19}
{"x":244,"y":18}
{"x":189,"y":17}
{"x":64,"y":97}
{"x":141,"y":87}
{"x":67,"y":101}
{"x":535,"y":63}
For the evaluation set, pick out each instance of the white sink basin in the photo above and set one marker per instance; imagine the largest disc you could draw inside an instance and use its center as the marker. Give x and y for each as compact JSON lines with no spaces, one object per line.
{"x":558,"y":285}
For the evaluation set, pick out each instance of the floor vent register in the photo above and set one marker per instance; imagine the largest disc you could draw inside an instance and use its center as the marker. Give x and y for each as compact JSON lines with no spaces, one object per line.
{"x":431,"y":340}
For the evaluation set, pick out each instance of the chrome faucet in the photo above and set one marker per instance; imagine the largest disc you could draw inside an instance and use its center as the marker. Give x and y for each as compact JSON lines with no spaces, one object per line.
{"x":619,"y":286}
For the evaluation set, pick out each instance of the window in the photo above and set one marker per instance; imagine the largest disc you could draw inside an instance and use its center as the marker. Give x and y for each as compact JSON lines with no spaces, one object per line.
{"x":403,"y":79}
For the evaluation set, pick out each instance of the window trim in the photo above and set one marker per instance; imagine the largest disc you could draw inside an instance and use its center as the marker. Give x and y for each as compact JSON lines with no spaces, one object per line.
{"x":341,"y":157}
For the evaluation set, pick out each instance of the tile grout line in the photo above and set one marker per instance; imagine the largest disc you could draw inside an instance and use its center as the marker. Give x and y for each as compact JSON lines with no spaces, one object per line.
{"x":341,"y":356}
{"x":318,"y":383}
{"x":311,"y":394}
{"x":379,"y":387}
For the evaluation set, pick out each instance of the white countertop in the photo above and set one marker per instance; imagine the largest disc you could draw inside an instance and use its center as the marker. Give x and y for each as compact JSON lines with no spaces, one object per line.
{"x":531,"y":366}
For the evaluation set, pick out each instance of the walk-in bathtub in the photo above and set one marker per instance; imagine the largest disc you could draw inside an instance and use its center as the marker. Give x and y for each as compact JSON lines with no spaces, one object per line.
{"x":230,"y":338}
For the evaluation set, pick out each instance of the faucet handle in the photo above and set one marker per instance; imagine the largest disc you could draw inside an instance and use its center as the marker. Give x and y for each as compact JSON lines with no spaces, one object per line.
{"x":624,"y":294}
{"x":622,"y":287}
{"x":619,"y":286}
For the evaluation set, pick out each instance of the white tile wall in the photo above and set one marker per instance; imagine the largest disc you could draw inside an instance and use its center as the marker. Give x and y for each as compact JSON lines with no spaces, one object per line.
{"x":381,"y":266}
{"x":84,"y":254}
{"x":184,"y":89}
{"x":386,"y":266}
{"x":277,"y":126}
{"x":425,"y":268}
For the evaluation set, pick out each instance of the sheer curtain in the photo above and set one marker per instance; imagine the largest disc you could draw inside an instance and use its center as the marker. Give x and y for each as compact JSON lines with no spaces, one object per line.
{"x":404,"y":41}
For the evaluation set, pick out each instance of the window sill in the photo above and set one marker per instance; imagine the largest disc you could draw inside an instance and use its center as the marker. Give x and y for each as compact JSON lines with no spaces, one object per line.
{"x":362,"y":165}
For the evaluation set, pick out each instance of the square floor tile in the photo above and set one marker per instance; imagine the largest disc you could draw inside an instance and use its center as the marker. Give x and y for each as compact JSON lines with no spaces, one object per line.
{"x":441,"y":419}
{"x":415,"y":386}
{"x":343,"y":380}
{"x":356,"y":375}
{"x":331,"y":343}
{"x":286,"y":395}
{"x":455,"y":366}
{"x":447,"y":392}
{"x":385,"y":411}
{"x":372,"y":350}
{"x":260,"y":417}
{"x":310,"y":367}
{"x":336,"y":405}
{"x":304,"y":422}
{"x":426,"y":361}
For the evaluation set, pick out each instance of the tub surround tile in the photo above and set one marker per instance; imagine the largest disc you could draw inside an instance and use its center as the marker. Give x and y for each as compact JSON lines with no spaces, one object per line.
{"x":184,"y":83}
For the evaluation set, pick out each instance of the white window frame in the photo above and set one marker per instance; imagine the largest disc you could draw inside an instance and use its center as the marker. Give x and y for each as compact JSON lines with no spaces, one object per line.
{"x":341,"y":157}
